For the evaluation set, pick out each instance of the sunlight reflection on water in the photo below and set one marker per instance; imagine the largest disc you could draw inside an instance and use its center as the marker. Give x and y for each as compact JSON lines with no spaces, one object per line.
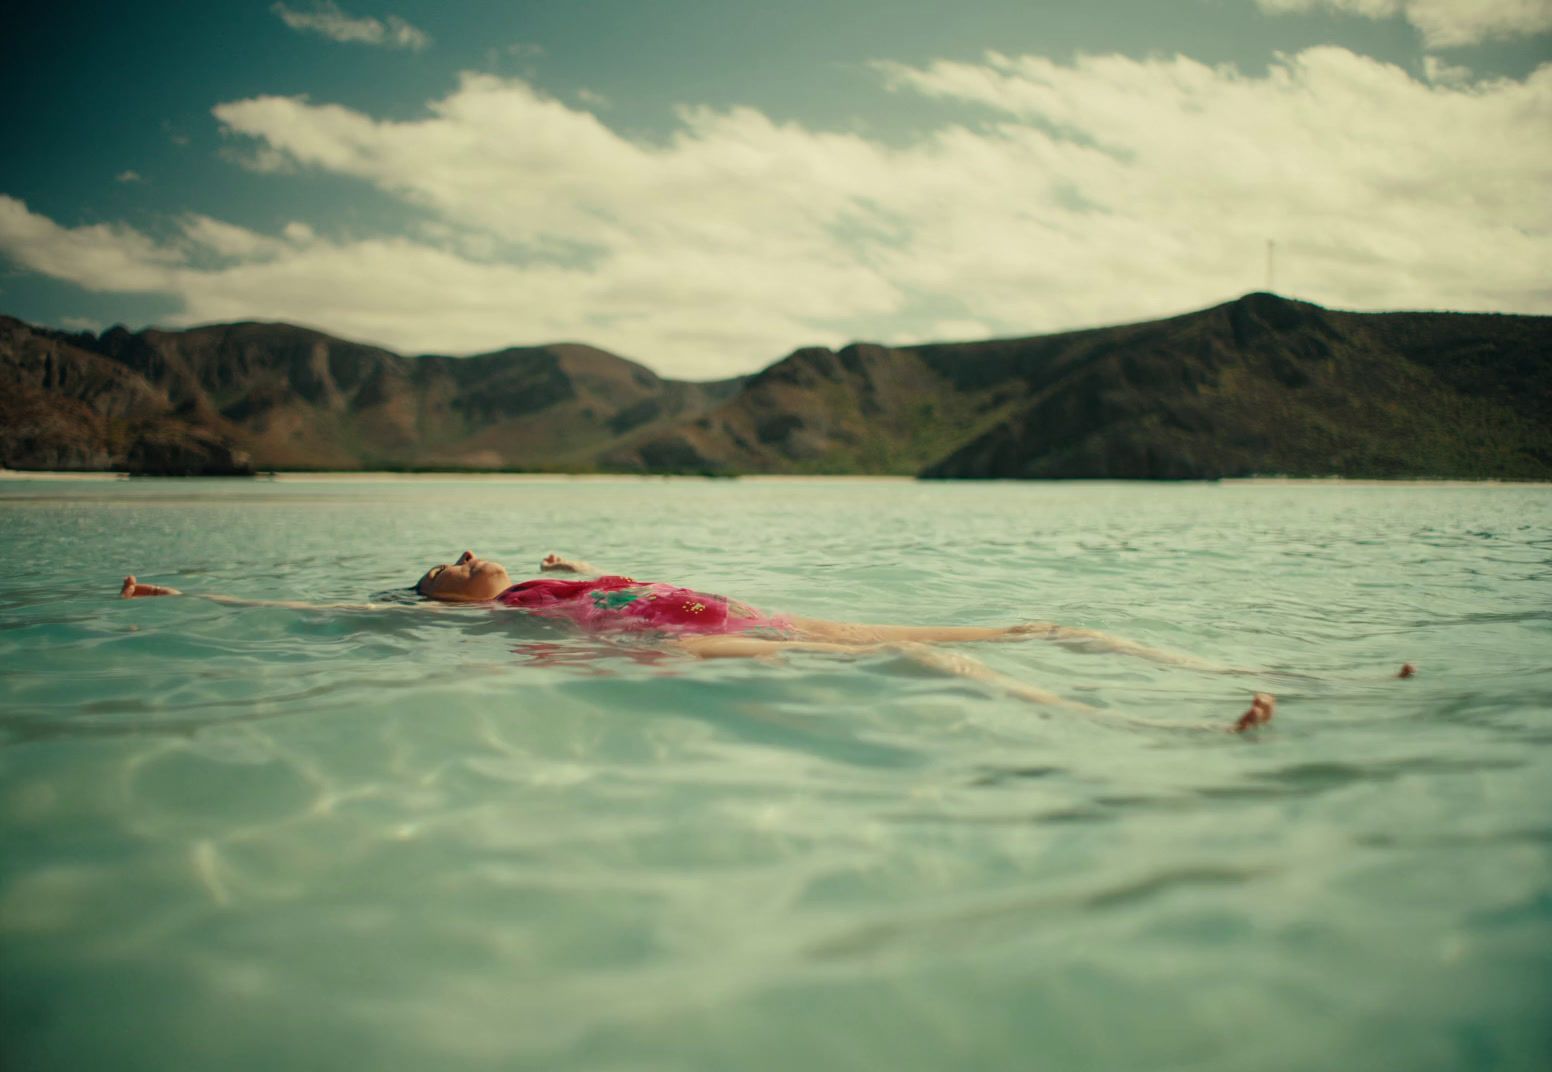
{"x":250,"y":836}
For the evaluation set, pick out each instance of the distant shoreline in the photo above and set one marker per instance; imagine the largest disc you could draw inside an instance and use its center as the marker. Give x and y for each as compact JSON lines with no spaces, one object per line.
{"x":1390,"y":396}
{"x":388,"y":476}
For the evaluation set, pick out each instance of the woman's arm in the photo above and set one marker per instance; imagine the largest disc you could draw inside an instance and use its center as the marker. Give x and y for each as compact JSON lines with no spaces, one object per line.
{"x":553,"y":563}
{"x":297,"y":604}
{"x":133,"y":589}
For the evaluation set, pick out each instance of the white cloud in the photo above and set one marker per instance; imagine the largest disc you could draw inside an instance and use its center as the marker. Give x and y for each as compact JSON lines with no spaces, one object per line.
{"x":1436,"y":70}
{"x":128,"y":176}
{"x":1443,"y":23}
{"x":263,"y":160}
{"x":103,"y":257}
{"x":228,"y":240}
{"x":1083,"y":193}
{"x":327,"y":19}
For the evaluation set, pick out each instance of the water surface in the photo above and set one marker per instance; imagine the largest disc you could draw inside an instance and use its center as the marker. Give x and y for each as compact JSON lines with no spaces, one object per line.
{"x":249,"y":837}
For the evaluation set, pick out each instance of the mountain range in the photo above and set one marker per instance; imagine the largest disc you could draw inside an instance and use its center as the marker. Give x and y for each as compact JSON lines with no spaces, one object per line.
{"x":1259,"y":385}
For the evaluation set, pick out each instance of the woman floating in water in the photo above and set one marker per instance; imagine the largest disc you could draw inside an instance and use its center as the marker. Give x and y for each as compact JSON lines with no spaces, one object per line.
{"x":713,"y":626}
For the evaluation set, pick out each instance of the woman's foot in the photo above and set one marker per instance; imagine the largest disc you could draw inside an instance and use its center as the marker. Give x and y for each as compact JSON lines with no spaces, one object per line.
{"x":1262,"y":706}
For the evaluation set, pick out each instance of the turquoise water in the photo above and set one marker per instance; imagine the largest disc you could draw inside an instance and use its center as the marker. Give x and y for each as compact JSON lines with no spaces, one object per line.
{"x":248,"y":837}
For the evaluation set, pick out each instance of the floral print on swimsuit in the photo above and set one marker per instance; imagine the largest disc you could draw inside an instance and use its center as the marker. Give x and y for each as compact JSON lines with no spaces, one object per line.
{"x":616,"y":603}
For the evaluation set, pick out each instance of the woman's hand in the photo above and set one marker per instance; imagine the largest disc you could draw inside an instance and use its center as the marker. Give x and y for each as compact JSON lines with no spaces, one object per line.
{"x":553,"y":563}
{"x":134,"y":590}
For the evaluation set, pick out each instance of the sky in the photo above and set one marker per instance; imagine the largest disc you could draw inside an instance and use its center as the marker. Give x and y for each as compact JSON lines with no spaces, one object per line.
{"x":704,"y":187}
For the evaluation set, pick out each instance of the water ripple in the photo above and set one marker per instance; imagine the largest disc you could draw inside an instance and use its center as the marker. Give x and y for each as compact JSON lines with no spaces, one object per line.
{"x":466,"y":839}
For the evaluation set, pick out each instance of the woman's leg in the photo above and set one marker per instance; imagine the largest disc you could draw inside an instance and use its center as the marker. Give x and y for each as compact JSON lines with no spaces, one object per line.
{"x":864,"y":633}
{"x":1092,"y":640}
{"x":1262,"y":705}
{"x":957,"y":664}
{"x":1089,"y":640}
{"x":747,"y":647}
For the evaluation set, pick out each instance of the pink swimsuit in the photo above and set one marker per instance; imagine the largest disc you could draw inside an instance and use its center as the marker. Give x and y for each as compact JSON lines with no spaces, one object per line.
{"x":619,"y":603}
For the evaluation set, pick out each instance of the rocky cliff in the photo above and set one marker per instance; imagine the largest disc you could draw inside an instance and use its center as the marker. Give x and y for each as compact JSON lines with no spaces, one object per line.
{"x":1258,"y":385}
{"x":238,"y":397}
{"x":1265,"y":385}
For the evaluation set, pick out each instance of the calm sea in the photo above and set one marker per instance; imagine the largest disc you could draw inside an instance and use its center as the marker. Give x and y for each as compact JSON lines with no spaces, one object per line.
{"x":258,"y":838}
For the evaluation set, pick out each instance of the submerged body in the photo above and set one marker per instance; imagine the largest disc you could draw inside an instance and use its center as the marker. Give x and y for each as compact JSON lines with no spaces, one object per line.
{"x":616,"y":603}
{"x":714,"y":626}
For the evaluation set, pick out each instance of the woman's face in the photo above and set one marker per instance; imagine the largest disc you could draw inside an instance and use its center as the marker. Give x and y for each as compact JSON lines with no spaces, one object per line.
{"x":469,"y":580}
